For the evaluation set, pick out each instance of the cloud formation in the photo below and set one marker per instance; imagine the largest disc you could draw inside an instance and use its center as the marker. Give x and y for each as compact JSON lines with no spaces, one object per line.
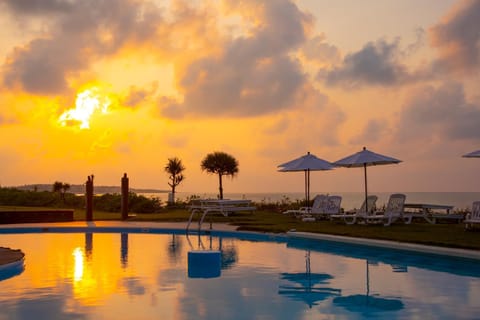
{"x":79,"y":32}
{"x":457,"y":38}
{"x":252,"y":74}
{"x":219,"y":71}
{"x":377,"y":63}
{"x":439,"y":113}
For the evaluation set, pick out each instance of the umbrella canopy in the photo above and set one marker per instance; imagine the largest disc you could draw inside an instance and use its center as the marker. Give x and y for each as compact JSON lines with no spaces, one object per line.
{"x":307,"y":289}
{"x":474,"y":154}
{"x":306,"y":163}
{"x":365,"y":158}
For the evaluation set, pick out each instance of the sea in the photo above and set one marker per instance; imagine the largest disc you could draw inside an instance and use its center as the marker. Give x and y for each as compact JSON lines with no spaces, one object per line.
{"x":350,"y":200}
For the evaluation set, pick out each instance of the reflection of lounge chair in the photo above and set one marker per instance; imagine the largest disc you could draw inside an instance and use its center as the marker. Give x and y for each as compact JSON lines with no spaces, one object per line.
{"x":361,"y":214}
{"x":318,"y":202}
{"x":330,"y":207}
{"x":393,"y":212}
{"x":473,"y":218}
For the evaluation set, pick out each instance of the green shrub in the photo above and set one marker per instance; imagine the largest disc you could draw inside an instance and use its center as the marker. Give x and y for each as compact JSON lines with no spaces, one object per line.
{"x":106,"y":202}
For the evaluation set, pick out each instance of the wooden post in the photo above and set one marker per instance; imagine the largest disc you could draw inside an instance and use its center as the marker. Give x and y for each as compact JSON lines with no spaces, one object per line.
{"x":88,"y":245}
{"x":89,"y":199}
{"x":124,"y":206}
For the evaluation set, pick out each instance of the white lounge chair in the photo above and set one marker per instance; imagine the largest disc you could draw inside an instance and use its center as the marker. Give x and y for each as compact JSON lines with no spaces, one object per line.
{"x":473,"y":218}
{"x":318,"y":203}
{"x":351,"y":217}
{"x":393,"y":212}
{"x":330,"y":207}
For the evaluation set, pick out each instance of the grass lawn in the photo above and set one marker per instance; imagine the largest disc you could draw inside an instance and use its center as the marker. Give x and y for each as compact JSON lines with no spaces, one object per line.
{"x":445,"y":234}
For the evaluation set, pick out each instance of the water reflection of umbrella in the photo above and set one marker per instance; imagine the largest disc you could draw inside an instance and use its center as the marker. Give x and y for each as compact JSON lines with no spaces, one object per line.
{"x":367,"y":302}
{"x":306,"y":288}
{"x":306,"y":163}
{"x":474,"y":154}
{"x":365,"y":158}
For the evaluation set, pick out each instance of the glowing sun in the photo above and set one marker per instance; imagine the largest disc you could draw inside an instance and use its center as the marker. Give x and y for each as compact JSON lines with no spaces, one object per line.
{"x":87,"y":103}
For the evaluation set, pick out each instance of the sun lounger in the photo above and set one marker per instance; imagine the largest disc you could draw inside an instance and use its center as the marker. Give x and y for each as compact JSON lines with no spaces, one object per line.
{"x":328,"y":208}
{"x":225,"y":207}
{"x":361,"y":214}
{"x":393,"y":212}
{"x":473,"y":218}
{"x":318,"y":203}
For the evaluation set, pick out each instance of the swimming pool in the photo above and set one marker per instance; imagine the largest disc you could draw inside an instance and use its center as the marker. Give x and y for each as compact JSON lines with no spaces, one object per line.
{"x":148,"y":276}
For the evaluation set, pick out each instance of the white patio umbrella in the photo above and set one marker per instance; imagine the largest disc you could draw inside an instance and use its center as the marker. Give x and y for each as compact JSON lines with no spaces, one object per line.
{"x":365,"y":158}
{"x":306,"y":163}
{"x":474,"y":154}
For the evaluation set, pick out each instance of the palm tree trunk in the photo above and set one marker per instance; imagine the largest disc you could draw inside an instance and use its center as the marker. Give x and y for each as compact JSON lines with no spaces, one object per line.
{"x":220,"y":188}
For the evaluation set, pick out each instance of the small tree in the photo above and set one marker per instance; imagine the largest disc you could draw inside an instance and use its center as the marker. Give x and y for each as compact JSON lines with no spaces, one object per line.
{"x":222,"y":164}
{"x":61,"y":188}
{"x":174,"y":168}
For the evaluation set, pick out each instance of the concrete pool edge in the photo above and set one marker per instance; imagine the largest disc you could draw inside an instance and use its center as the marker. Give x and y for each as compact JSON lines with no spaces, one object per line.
{"x":226,"y":230}
{"x":445,"y":251}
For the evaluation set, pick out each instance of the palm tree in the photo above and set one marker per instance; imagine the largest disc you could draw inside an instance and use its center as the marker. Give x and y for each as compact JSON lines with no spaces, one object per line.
{"x":61,"y":188}
{"x":174,"y":168}
{"x":222,"y":164}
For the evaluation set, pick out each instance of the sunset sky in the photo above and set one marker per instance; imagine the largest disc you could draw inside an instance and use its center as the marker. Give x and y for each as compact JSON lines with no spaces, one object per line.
{"x":107,"y":87}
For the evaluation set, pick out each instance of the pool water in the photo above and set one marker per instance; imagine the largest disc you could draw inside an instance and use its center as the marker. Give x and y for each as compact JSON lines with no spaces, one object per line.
{"x":148,"y":276}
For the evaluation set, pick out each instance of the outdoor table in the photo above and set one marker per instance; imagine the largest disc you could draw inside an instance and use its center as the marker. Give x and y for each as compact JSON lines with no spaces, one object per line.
{"x":430,"y":212}
{"x":224,"y":206}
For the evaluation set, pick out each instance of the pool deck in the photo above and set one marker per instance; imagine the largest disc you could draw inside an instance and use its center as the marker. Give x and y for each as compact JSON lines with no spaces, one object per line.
{"x":6,"y":256}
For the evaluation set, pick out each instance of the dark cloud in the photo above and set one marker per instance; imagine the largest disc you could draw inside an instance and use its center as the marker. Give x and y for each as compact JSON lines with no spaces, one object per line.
{"x":377,"y":63}
{"x":38,"y":6}
{"x":227,"y":88}
{"x":42,"y":66}
{"x":254,"y":74}
{"x":441,"y":112}
{"x":84,"y":31}
{"x":457,"y":38}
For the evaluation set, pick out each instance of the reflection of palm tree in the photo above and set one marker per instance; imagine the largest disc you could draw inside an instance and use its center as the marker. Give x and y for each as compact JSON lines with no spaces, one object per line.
{"x":174,"y":248}
{"x":306,"y":290}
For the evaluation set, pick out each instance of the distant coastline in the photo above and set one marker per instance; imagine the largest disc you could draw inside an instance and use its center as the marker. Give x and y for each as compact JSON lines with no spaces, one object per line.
{"x":80,"y":188}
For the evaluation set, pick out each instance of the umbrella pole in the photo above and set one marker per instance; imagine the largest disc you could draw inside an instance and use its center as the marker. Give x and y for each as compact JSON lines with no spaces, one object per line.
{"x":366,"y":192}
{"x":368,"y":281}
{"x":308,"y":188}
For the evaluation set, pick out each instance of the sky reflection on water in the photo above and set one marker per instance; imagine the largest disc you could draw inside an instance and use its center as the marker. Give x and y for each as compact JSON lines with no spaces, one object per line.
{"x":145,"y":276}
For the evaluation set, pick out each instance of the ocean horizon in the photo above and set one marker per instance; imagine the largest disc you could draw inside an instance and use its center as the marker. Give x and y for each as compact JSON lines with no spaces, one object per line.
{"x":350,"y":200}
